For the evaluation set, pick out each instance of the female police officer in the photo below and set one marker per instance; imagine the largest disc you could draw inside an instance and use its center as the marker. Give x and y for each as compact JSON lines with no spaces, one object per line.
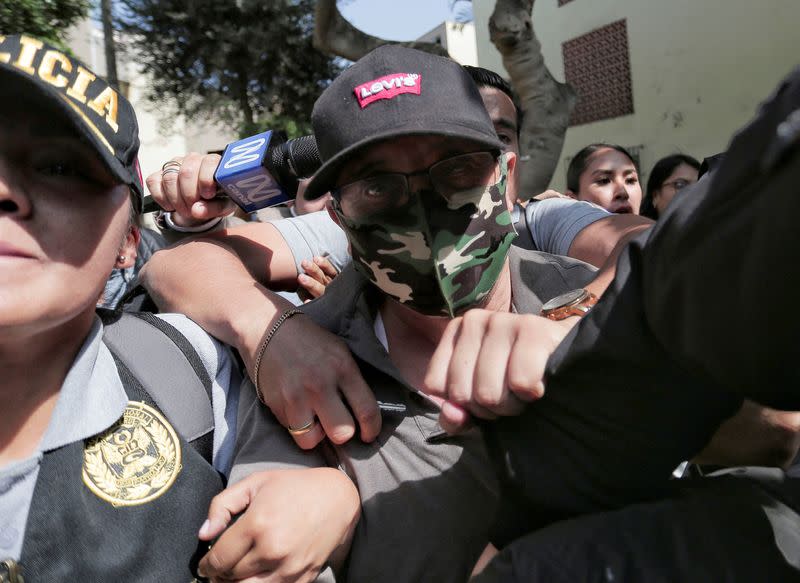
{"x":101,"y":477}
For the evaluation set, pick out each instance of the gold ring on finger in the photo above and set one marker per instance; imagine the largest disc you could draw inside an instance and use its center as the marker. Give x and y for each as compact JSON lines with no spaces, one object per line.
{"x":307,"y":428}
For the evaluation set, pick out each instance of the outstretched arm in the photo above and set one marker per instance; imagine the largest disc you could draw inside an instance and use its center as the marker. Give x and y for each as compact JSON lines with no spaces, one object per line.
{"x":601,"y":242}
{"x":581,"y":230}
{"x":306,"y":372}
{"x":495,"y":362}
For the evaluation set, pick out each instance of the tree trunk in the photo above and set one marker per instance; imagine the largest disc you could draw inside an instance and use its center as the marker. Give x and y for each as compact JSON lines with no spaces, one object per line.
{"x":546,"y":102}
{"x":107,"y":16}
{"x":248,"y":127}
{"x":335,"y":35}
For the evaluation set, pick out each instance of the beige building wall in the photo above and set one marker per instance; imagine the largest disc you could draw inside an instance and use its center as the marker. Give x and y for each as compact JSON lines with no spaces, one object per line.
{"x":698,"y":69}
{"x":161,"y":138}
{"x":457,"y":38}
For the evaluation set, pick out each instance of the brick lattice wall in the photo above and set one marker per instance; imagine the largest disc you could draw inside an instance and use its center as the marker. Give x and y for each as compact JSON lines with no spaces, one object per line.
{"x":597,"y":65}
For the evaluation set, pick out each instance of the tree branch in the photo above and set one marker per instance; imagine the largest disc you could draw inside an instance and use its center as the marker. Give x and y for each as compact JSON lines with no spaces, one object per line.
{"x":333,"y":34}
{"x":546,"y":102}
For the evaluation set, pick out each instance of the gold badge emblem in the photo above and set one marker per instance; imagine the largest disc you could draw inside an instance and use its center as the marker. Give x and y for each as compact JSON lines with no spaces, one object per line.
{"x":135,"y":461}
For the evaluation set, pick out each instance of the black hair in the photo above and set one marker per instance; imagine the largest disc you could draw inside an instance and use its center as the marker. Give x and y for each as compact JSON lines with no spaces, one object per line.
{"x":580,"y":161}
{"x":487,"y":78}
{"x":134,"y":216}
{"x":660,"y":172}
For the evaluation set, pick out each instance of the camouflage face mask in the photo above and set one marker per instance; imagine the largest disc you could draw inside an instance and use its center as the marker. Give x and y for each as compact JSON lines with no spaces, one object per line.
{"x":437,"y":256}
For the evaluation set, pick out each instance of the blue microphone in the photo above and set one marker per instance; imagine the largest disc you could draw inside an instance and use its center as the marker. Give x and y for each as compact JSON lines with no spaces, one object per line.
{"x":261,"y":171}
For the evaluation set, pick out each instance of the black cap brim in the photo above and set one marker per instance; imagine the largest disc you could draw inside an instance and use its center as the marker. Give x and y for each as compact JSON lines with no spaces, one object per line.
{"x":98,"y":112}
{"x":25,"y":85}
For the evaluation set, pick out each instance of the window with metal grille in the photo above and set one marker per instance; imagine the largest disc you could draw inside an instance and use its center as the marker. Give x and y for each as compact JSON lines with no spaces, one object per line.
{"x":597,"y":65}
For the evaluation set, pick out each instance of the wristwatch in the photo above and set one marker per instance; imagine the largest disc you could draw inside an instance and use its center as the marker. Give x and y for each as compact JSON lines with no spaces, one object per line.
{"x":573,"y":303}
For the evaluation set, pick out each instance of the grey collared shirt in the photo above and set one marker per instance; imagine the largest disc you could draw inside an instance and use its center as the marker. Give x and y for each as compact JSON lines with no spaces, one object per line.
{"x":91,"y":399}
{"x":427,"y":500}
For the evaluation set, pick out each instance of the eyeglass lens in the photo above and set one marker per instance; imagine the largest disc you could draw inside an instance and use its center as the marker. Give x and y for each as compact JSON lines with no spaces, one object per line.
{"x":678,"y":184}
{"x":385,"y":192}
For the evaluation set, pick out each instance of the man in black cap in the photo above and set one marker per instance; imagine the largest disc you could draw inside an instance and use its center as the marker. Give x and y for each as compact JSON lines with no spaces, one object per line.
{"x":419,"y":184}
{"x":115,"y":428}
{"x":276,"y":252}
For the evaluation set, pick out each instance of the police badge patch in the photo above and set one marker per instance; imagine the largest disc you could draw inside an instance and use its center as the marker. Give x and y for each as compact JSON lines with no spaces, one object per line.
{"x":135,"y":461}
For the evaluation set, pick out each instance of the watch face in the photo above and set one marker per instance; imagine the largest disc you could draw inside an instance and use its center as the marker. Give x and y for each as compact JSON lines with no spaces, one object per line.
{"x":569,"y":298}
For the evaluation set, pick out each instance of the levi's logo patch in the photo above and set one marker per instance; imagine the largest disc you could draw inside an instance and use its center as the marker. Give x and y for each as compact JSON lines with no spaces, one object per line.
{"x":388,"y":87}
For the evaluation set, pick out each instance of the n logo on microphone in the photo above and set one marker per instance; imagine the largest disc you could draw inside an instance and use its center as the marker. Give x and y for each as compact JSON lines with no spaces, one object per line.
{"x":242,"y":174}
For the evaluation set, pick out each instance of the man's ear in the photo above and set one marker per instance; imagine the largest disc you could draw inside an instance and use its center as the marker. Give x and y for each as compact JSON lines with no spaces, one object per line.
{"x":511,"y":180}
{"x":126,"y":256}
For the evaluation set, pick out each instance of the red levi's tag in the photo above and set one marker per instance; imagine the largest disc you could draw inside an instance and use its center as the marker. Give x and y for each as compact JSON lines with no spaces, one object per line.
{"x":387,"y":87}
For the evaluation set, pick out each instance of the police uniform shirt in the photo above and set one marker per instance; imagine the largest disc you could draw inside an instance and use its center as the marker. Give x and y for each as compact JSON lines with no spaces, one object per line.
{"x":92,"y":399}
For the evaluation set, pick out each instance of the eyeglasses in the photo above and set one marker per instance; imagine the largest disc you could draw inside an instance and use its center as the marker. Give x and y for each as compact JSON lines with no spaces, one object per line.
{"x":383,"y":193}
{"x":677,"y":184}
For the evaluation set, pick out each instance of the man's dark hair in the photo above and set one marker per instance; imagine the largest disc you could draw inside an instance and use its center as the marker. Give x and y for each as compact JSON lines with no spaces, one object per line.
{"x":580,"y":161}
{"x":486,"y":78}
{"x":660,"y":172}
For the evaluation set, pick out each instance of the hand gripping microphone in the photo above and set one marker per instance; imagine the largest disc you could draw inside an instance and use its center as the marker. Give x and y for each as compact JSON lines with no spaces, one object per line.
{"x":262,"y":170}
{"x":256,"y":174}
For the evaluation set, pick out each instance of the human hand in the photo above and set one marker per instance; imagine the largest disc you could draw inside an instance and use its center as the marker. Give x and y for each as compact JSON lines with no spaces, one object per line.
{"x":187,"y":189}
{"x":755,"y":436}
{"x":309,"y":374}
{"x":491,"y":363}
{"x":318,"y":274}
{"x":294,"y":522}
{"x":305,"y":374}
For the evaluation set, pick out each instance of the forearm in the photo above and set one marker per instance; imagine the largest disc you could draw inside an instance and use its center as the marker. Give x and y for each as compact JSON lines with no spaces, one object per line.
{"x":206,"y":281}
{"x":177,"y":228}
{"x":755,"y":436}
{"x":720,"y":268}
{"x":608,"y":267}
{"x":263,"y":251}
{"x":601,"y":242}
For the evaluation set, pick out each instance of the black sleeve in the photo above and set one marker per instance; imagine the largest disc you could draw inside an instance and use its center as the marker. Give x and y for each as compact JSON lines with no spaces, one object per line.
{"x":720,"y":273}
{"x":699,"y":315}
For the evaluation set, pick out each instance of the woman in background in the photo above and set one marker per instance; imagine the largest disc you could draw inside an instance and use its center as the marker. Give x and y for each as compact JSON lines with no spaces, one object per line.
{"x":668,"y":176}
{"x":606,"y":175}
